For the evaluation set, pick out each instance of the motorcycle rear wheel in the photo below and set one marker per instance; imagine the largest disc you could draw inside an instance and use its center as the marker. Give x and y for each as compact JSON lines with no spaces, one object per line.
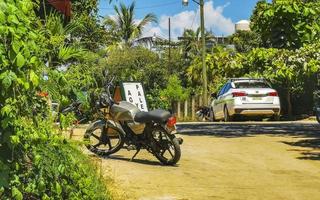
{"x":103,"y":140}
{"x":167,"y":149}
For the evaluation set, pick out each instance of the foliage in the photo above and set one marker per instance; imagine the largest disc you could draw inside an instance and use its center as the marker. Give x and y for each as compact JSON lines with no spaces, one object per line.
{"x":245,"y":41}
{"x":174,"y":91}
{"x":35,"y":162}
{"x":221,"y":63}
{"x":286,"y":24}
{"x":125,"y":24}
{"x":93,"y":34}
{"x":191,"y":42}
{"x":137,"y":64}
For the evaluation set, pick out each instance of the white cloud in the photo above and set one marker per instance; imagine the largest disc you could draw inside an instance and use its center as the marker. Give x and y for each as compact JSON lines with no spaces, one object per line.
{"x":214,"y":20}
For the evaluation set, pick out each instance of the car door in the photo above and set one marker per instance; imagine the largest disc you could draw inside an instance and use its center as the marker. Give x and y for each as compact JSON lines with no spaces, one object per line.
{"x":218,"y":104}
{"x":224,"y":99}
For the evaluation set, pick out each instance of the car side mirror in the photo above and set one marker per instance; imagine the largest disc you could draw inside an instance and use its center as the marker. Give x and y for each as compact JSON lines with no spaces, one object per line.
{"x":213,"y":95}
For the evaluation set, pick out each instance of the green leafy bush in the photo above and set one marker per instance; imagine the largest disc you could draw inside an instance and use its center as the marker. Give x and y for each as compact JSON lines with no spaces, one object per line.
{"x":35,"y":163}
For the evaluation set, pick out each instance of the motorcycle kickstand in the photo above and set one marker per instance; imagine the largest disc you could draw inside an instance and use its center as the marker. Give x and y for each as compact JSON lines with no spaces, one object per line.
{"x":138,"y":150}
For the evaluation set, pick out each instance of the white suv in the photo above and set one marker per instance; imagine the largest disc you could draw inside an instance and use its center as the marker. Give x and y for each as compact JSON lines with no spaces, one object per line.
{"x":245,"y":96}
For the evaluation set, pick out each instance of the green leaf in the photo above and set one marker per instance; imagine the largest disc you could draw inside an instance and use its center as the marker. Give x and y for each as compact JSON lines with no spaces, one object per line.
{"x":4,"y":174}
{"x":6,"y":110}
{"x":16,"y":46}
{"x":13,"y":19}
{"x":20,"y":60}
{"x":34,"y":78}
{"x":16,"y":194}
{"x":33,"y":60}
{"x":2,"y":17}
{"x":7,"y":78}
{"x":15,"y":139}
{"x":58,"y":188}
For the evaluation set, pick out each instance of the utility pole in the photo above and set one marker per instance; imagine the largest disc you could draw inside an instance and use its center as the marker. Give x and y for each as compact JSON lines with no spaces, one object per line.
{"x":169,"y":58}
{"x":204,"y":68}
{"x":203,"y":41}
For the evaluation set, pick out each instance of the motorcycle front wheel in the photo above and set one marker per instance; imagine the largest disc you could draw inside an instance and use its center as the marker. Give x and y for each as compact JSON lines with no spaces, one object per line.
{"x":166,"y":146}
{"x":103,"y":140}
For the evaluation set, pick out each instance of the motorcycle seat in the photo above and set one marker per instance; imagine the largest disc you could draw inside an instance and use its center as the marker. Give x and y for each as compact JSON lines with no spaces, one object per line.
{"x":157,"y":116}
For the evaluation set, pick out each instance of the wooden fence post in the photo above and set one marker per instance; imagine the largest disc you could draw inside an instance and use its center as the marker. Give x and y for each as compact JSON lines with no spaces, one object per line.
{"x":178,"y":109}
{"x":200,"y":100}
{"x":193,"y":109}
{"x":186,"y":108}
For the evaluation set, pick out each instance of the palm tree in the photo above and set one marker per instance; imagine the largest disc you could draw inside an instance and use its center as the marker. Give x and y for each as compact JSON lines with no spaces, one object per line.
{"x":125,"y":24}
{"x":191,"y":42}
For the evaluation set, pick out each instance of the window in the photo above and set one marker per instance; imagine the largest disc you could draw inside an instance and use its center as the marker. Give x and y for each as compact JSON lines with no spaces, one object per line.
{"x":221,"y":92}
{"x":227,"y":88}
{"x":251,"y":84}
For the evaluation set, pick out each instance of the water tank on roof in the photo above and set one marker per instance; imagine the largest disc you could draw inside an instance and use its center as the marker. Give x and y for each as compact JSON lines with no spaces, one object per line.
{"x":243,"y":25}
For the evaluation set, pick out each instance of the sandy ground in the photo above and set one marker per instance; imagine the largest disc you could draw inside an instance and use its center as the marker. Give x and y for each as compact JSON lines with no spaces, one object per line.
{"x":211,"y":167}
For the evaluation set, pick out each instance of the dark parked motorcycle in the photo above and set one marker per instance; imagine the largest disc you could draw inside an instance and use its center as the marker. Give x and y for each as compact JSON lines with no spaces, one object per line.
{"x":203,"y":113}
{"x":123,"y":125}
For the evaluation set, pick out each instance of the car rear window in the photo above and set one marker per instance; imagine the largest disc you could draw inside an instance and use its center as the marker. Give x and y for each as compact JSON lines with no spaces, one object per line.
{"x":254,"y":84}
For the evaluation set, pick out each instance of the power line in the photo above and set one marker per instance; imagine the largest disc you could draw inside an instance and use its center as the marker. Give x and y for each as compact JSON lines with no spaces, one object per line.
{"x":195,"y":16}
{"x":152,"y":6}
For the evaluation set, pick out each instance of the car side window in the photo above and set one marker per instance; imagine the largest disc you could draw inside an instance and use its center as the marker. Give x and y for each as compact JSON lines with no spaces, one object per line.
{"x":227,"y":88}
{"x":221,"y":91}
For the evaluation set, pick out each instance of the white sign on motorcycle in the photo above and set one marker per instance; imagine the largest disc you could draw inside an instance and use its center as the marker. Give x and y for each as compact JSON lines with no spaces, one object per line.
{"x":134,"y":93}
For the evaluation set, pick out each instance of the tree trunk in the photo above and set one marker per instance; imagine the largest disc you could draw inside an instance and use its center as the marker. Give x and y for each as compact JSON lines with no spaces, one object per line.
{"x":193,"y":109}
{"x":178,"y":110}
{"x":289,"y":104}
{"x":186,"y":108}
{"x":173,"y":107}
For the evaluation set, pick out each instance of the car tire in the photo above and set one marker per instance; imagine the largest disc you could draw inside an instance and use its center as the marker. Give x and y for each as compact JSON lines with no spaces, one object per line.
{"x":226,"y":116}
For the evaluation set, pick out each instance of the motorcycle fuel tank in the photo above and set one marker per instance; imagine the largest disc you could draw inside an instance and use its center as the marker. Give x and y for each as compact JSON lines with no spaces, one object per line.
{"x":124,"y":111}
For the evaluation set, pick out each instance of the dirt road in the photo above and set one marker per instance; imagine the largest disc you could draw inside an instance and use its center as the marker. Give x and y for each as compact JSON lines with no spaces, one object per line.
{"x":255,"y":166}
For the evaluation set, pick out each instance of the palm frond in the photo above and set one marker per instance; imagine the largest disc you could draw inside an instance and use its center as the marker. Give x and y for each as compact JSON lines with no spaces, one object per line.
{"x":67,"y":53}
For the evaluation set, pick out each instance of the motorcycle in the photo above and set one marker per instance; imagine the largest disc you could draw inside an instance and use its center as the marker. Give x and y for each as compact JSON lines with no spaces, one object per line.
{"x":123,"y":125}
{"x":203,"y":113}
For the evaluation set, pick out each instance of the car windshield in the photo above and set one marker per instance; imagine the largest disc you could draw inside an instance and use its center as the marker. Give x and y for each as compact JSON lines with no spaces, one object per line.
{"x":253,"y":84}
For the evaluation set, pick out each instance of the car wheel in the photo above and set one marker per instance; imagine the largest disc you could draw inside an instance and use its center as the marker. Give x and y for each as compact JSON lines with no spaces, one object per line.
{"x":226,"y":116}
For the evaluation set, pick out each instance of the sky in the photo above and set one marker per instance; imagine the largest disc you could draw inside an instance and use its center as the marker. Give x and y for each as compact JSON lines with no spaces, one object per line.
{"x":220,"y":15}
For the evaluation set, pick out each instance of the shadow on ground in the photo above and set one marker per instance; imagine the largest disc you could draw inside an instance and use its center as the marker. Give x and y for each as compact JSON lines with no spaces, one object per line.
{"x":310,"y":133}
{"x":135,"y":160}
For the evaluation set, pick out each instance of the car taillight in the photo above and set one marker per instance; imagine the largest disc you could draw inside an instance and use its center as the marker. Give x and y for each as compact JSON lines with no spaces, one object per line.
{"x":239,"y":94}
{"x":273,"y":94}
{"x":171,"y":121}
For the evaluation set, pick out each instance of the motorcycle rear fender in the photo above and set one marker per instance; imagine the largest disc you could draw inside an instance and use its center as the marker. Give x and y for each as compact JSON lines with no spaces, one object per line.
{"x":109,"y":123}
